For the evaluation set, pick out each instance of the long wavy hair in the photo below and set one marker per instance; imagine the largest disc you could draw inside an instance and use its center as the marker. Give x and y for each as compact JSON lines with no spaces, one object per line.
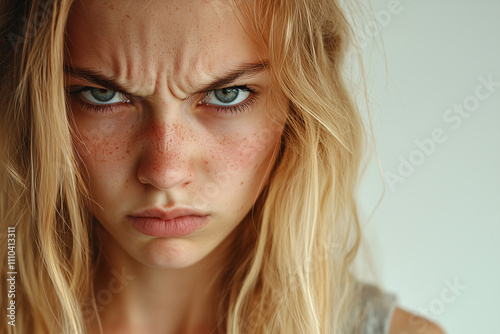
{"x":289,"y":271}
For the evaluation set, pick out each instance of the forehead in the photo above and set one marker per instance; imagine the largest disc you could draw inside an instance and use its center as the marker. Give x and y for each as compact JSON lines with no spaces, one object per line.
{"x":158,"y":42}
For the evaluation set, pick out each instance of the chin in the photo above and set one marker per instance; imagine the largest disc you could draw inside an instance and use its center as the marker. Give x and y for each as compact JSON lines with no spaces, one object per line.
{"x":169,"y":253}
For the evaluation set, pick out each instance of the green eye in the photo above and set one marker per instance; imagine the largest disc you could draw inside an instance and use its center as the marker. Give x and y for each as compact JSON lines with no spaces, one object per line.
{"x":227,"y":96}
{"x":102,"y":96}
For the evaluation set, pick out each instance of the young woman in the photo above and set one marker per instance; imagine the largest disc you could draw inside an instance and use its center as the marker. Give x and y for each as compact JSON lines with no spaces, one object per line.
{"x":182,"y":167}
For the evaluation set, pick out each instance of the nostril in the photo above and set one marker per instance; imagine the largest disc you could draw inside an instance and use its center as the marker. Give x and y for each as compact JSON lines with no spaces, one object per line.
{"x":142,"y":180}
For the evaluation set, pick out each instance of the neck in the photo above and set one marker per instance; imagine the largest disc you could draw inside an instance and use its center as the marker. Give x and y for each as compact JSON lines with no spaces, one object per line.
{"x":137,"y":298}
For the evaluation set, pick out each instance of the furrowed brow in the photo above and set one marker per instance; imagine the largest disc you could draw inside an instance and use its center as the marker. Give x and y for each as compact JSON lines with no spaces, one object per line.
{"x":230,"y":76}
{"x":95,"y":77}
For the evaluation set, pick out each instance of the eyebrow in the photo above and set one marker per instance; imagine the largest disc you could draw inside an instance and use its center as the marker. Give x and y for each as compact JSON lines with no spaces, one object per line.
{"x":94,"y":77}
{"x":229,"y":77}
{"x":246,"y":69}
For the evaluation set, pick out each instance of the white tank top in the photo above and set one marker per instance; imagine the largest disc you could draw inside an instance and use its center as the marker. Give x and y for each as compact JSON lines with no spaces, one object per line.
{"x":376,"y":308}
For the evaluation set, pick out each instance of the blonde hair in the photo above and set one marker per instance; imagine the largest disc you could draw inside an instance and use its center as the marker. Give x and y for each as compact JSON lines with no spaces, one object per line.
{"x":289,"y":271}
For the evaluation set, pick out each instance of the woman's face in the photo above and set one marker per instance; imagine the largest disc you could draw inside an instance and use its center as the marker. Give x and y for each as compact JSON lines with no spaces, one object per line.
{"x":155,"y":132}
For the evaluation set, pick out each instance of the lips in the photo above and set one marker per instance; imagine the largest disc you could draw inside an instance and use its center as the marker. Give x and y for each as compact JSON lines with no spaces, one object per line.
{"x":167,"y":214}
{"x":175,"y":222}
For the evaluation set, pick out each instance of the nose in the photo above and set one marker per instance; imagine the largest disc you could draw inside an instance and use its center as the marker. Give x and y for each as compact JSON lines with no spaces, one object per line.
{"x":166,"y":158}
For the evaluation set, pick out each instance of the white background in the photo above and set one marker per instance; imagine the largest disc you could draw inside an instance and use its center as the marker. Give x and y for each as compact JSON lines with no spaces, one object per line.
{"x":439,"y":223}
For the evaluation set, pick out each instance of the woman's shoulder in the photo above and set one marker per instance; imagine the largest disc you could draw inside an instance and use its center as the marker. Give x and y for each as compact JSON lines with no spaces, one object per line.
{"x":381,"y":315}
{"x":409,"y":323}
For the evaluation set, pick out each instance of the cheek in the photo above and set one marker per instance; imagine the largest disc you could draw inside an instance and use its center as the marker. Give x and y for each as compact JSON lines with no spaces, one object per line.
{"x":254,"y":149}
{"x":105,"y":146}
{"x":237,"y":165}
{"x":246,"y":156}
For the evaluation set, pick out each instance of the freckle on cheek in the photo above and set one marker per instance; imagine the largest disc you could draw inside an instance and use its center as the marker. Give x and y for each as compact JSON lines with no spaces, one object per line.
{"x":107,"y":153}
{"x":234,"y":152}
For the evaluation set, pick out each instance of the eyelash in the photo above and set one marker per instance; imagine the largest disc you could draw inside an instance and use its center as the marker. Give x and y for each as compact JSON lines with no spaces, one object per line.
{"x":239,"y":108}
